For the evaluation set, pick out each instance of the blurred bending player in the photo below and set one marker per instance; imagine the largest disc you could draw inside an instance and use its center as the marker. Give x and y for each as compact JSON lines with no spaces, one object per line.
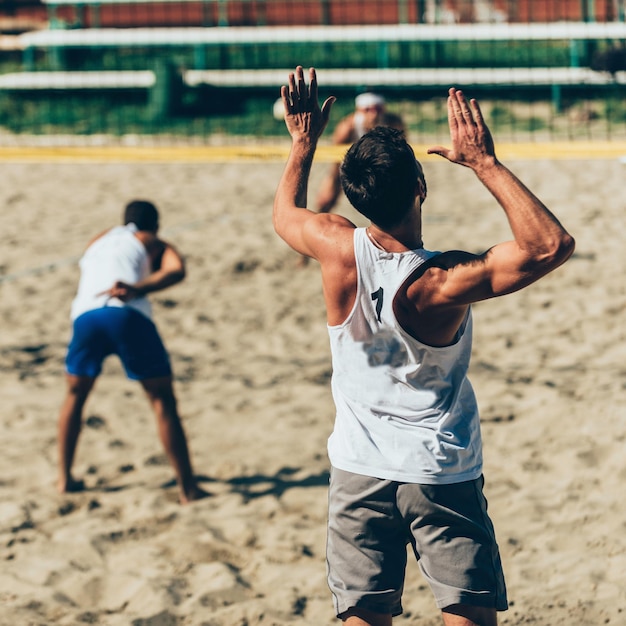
{"x":112,"y":315}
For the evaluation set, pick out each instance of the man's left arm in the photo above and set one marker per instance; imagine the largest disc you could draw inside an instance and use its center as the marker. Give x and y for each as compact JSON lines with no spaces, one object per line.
{"x":171,"y":270}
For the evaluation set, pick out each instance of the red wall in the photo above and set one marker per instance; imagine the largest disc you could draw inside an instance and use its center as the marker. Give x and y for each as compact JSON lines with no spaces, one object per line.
{"x":286,"y":12}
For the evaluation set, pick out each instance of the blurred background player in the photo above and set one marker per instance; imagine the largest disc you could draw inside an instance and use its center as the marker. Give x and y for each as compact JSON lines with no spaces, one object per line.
{"x":370,"y":111}
{"x":112,"y":315}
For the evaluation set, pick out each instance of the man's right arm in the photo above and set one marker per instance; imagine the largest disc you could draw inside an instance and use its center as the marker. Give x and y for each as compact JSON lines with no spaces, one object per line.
{"x":540,"y":243}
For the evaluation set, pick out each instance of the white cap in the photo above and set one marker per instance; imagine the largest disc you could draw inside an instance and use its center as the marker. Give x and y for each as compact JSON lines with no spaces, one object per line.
{"x":367,"y":100}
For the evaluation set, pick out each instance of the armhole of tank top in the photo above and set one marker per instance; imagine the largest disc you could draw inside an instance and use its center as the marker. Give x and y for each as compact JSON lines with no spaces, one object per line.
{"x":460,"y":331}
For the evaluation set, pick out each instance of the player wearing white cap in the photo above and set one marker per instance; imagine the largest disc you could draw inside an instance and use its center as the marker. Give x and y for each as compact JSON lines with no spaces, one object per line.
{"x":370,"y":111}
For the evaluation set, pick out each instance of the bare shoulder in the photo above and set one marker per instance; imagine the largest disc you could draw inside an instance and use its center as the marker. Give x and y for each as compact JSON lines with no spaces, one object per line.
{"x":426,"y":287}
{"x":328,"y":237}
{"x":328,"y":230}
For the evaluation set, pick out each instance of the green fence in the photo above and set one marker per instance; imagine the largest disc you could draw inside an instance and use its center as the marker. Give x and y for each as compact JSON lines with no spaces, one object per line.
{"x":209,"y":70}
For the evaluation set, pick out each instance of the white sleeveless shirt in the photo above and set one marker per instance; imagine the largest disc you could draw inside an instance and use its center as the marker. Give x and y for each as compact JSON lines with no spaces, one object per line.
{"x":405,"y":410}
{"x":117,"y":255}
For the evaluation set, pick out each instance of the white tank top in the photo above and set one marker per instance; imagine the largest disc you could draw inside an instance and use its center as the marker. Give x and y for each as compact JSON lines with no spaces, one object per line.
{"x":405,"y":411}
{"x":117,"y":255}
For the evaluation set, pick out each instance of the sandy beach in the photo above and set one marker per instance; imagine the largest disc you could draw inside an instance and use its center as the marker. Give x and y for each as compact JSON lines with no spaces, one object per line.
{"x":246,"y":332}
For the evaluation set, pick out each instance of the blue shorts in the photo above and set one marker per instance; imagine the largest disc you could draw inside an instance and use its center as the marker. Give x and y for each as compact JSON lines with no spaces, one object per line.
{"x":117,"y":330}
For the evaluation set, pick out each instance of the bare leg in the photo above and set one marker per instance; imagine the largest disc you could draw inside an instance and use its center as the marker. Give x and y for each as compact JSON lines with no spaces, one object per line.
{"x":464,"y":615}
{"x":160,"y":393}
{"x":363,"y":617}
{"x":69,"y":425}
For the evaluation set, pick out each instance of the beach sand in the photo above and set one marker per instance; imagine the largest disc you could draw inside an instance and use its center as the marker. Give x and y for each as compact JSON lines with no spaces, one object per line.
{"x":247,"y":336}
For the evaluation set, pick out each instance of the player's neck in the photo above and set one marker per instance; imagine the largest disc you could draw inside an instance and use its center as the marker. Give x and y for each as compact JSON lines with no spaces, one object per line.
{"x":396,"y":240}
{"x":407,"y":235}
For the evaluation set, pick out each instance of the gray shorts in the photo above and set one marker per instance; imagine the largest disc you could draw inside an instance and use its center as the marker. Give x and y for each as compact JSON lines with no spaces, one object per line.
{"x":370,"y":523}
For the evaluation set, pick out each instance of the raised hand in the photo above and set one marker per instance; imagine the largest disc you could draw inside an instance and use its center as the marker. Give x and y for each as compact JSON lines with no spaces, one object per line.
{"x":472,"y":143}
{"x":303,"y":116}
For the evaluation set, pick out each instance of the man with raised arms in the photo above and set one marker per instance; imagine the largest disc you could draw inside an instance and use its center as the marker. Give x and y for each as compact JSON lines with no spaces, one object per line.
{"x":406,"y":450}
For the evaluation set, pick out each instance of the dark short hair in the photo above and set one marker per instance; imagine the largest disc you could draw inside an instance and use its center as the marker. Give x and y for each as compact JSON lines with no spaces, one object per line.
{"x":143,"y":214}
{"x":379,"y":176}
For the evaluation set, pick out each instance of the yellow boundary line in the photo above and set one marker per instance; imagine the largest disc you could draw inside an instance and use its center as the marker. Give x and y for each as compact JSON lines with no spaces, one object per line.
{"x":278,"y":153}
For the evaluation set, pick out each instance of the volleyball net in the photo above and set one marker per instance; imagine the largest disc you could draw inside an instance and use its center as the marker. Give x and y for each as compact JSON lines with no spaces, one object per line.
{"x":205,"y":71}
